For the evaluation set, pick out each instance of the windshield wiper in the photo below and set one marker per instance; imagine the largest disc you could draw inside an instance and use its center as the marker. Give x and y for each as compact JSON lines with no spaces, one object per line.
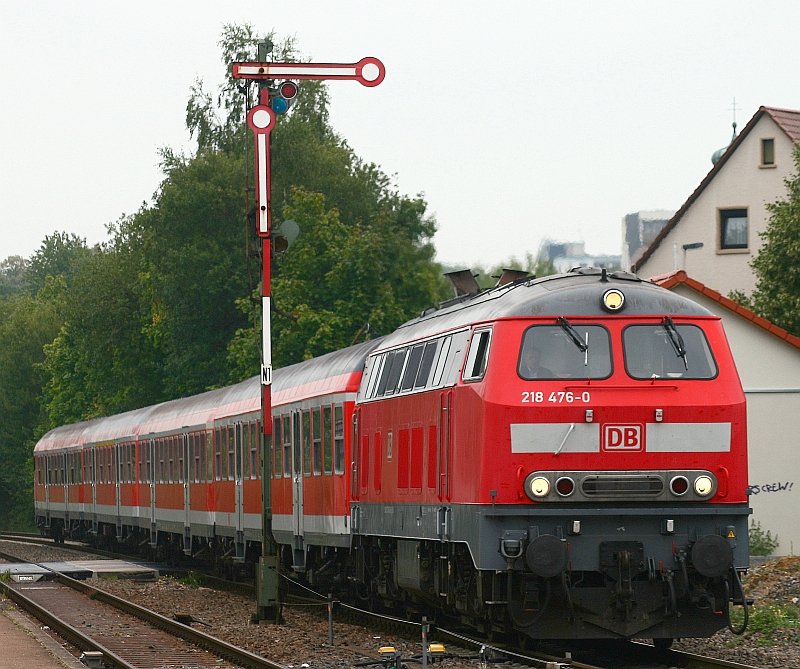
{"x":573,"y":334}
{"x":675,"y":339}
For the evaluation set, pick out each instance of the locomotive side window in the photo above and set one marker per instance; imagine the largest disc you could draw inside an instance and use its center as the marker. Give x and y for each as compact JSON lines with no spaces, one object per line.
{"x":374,"y":369}
{"x":412,"y":367}
{"x":425,"y":365}
{"x":565,"y":351}
{"x":478,"y":355}
{"x":666,"y":350}
{"x":441,"y":360}
{"x":395,"y":372}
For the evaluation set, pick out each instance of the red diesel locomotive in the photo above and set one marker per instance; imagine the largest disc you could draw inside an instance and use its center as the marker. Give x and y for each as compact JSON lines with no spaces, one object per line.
{"x":564,"y":457}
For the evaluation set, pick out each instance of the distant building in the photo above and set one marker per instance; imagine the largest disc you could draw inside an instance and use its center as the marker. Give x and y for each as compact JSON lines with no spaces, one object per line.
{"x":716,"y":233}
{"x":639,"y":229}
{"x":566,"y":255}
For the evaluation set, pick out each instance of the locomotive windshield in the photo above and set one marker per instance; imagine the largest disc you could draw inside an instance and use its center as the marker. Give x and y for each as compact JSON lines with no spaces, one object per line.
{"x":565,"y":351}
{"x":666,"y":350}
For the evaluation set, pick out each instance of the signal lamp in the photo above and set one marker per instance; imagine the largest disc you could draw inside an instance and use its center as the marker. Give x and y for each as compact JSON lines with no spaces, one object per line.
{"x":565,"y":486}
{"x":679,"y":485}
{"x":288,"y":90}
{"x":281,"y":98}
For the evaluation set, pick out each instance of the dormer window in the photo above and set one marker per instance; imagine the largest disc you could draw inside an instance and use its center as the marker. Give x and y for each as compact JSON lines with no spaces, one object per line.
{"x":768,"y":152}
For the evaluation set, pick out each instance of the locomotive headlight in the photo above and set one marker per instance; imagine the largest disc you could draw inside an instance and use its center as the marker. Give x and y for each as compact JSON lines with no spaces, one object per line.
{"x":539,"y":486}
{"x":703,"y":485}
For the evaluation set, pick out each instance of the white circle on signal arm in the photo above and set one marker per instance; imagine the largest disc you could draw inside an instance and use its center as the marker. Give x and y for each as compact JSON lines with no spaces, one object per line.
{"x":261,"y":119}
{"x":370,"y":72}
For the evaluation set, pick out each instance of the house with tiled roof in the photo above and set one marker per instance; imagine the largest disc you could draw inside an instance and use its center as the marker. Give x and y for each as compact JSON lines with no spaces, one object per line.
{"x":715,"y":234}
{"x":768,"y":359}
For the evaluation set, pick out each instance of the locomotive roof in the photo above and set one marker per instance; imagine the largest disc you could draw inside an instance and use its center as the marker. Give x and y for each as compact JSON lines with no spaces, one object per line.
{"x":574,"y":294}
{"x":329,"y":373}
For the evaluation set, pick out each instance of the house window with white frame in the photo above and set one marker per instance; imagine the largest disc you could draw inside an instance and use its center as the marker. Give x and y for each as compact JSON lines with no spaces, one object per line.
{"x":732,"y":229}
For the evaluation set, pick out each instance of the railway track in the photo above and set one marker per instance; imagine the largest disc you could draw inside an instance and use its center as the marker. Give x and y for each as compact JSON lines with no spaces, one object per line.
{"x":619,"y":656}
{"x":127,"y":636}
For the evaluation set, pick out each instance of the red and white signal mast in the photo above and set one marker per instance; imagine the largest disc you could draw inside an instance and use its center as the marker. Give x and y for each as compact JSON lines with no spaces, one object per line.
{"x":278,"y":88}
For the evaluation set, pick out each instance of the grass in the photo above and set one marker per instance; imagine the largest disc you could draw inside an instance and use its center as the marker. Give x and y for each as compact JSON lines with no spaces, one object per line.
{"x":769,"y":623}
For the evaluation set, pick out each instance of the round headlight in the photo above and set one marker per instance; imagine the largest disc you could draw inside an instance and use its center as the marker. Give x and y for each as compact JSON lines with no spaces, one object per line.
{"x":703,"y":485}
{"x":539,"y":486}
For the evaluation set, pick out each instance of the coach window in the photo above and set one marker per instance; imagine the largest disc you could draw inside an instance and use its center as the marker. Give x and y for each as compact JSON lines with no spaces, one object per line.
{"x":277,"y":441}
{"x":478,"y":355}
{"x":180,"y":448}
{"x":327,"y":440}
{"x":244,"y":431}
{"x":207,"y":439}
{"x":233,"y":470}
{"x":338,"y":439}
{"x":667,"y":350}
{"x":287,"y":445}
{"x":317,"y":427}
{"x":306,"y":443}
{"x":565,"y":351}
{"x":252,"y":430}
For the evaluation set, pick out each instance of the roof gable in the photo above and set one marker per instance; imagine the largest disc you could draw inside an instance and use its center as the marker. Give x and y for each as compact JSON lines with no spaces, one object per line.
{"x":788,"y":120}
{"x":672,"y":279}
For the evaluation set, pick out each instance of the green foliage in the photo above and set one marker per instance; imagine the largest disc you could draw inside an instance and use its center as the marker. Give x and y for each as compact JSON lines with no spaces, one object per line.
{"x":768,"y":623}
{"x":193,"y":579}
{"x":777,"y":266}
{"x":761,"y":542}
{"x":12,"y":274}
{"x":27,"y":323}
{"x":60,"y":254}
{"x":340,"y":283}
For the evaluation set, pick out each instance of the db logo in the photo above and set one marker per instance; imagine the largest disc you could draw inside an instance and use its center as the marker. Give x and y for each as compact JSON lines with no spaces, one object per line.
{"x":623,"y":438}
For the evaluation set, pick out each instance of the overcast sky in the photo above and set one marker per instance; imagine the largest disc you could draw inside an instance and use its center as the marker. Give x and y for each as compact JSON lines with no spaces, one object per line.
{"x":517,"y":120}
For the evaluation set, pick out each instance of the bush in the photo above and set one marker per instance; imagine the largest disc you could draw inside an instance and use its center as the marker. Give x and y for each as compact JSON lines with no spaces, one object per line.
{"x":761,"y":542}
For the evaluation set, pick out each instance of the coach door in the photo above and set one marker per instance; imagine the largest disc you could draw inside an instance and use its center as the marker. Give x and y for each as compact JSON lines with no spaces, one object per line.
{"x":151,"y":480}
{"x":186,"y":473}
{"x":239,"y":480}
{"x":297,"y":475}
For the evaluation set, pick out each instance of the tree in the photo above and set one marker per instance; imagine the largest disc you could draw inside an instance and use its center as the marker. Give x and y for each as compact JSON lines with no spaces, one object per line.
{"x":102,"y":361}
{"x":12,"y":275}
{"x":341,"y":282}
{"x":776,"y":296}
{"x":59,"y":255}
{"x":27,"y":323}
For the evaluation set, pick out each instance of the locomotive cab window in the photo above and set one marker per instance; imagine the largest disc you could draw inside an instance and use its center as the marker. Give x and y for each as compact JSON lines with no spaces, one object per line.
{"x":667,"y":350}
{"x":565,"y":351}
{"x":478,"y":355}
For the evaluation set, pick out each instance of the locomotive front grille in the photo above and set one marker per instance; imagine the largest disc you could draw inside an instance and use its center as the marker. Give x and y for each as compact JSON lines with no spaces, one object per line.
{"x":640,"y":485}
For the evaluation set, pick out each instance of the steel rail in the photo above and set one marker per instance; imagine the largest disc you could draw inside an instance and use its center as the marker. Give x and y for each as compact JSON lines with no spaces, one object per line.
{"x":63,"y":629}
